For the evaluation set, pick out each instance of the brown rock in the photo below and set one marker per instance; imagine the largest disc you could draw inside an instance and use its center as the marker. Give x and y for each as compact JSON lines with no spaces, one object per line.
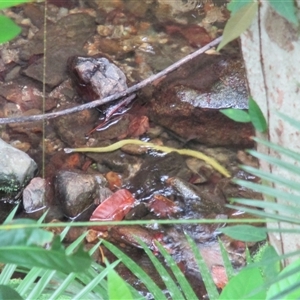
{"x":189,"y":100}
{"x":26,"y":96}
{"x":64,"y":39}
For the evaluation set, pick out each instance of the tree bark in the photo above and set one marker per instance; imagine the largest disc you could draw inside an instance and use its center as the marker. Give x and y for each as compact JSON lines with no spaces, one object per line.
{"x":271,"y":50}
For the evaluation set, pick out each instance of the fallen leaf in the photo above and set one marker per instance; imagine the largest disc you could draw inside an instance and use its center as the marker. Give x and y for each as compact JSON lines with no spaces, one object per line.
{"x":114,"y":208}
{"x":162,"y":206}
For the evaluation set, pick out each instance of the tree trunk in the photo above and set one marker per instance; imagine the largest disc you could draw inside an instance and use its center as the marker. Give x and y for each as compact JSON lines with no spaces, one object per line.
{"x":271,"y":50}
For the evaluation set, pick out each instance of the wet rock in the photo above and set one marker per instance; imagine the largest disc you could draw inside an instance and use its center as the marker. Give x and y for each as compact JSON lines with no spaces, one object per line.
{"x":232,"y":190}
{"x":32,"y":130}
{"x":64,"y":39}
{"x":138,"y":212}
{"x":131,"y":234}
{"x":26,"y":96}
{"x":72,"y":128}
{"x":35,"y":14}
{"x":16,"y":170}
{"x":153,"y":173}
{"x":196,"y":36}
{"x":190,"y":98}
{"x":118,"y":161}
{"x":97,"y":77}
{"x":174,"y":10}
{"x":199,"y":200}
{"x":76,"y":191}
{"x":34,"y":195}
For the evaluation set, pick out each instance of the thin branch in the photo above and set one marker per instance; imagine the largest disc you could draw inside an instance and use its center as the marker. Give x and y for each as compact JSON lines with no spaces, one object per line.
{"x":127,"y":92}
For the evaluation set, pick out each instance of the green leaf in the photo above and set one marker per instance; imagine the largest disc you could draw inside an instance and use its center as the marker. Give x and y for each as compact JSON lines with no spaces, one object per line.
{"x":265,"y":215}
{"x":181,"y":279}
{"x":54,"y":259}
{"x":285,"y":8}
{"x":9,"y":29}
{"x":117,"y":287}
{"x":282,"y":150}
{"x":172,"y":287}
{"x":249,"y":259}
{"x":10,"y":3}
{"x":246,"y":233}
{"x":270,"y":270}
{"x":7,"y":293}
{"x":210,"y":286}
{"x":236,"y":5}
{"x":11,"y":215}
{"x":137,"y":271}
{"x":243,"y":284}
{"x":285,"y":283}
{"x":7,"y":272}
{"x":292,"y":121}
{"x":95,"y":281}
{"x":283,"y":208}
{"x":257,"y":118}
{"x":237,"y":115}
{"x":226,"y":259}
{"x":238,"y":23}
{"x":24,"y":236}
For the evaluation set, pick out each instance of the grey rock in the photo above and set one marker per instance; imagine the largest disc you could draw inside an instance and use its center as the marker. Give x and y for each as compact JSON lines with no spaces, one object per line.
{"x":76,"y":191}
{"x":34,"y":195}
{"x":16,"y":170}
{"x":104,"y":77}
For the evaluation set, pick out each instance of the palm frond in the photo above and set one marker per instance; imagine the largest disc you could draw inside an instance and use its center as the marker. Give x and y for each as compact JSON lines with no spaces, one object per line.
{"x":137,"y":271}
{"x":182,"y":281}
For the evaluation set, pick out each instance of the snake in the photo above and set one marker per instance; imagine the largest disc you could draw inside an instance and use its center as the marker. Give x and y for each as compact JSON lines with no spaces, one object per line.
{"x":188,"y":152}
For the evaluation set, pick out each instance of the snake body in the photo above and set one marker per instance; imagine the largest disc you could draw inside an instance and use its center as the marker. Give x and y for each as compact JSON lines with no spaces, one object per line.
{"x":211,"y":161}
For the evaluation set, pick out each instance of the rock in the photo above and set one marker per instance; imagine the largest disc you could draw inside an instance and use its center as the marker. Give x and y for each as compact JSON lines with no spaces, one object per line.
{"x":16,"y":170}
{"x":153,"y":173}
{"x":72,"y":128}
{"x":64,"y":39}
{"x":97,"y":76}
{"x":195,"y":93}
{"x":25,"y":95}
{"x":117,"y":161}
{"x":76,"y":191}
{"x":196,"y":35}
{"x":34,"y":195}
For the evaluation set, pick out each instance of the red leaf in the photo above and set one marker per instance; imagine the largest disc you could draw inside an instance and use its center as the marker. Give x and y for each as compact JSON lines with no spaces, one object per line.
{"x":219,"y":276}
{"x":162,"y":206}
{"x":114,"y":208}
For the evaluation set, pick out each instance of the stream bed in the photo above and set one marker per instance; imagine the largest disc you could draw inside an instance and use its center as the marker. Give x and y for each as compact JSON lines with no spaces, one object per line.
{"x":93,"y":49}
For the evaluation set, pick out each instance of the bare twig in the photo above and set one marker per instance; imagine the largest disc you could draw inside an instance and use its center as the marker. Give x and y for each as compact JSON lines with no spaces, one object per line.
{"x":127,"y":92}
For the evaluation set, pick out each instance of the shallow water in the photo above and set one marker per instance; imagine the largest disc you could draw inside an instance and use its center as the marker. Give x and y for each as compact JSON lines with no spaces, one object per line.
{"x":141,"y":38}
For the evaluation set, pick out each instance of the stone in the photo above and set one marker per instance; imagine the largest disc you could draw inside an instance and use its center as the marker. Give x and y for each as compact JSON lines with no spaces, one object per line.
{"x":188,"y":101}
{"x":76,"y":191}
{"x":34,"y":195}
{"x":98,"y":76}
{"x":16,"y":170}
{"x":64,"y":39}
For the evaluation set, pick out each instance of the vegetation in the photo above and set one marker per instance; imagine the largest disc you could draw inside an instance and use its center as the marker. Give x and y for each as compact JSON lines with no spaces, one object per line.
{"x":9,"y":29}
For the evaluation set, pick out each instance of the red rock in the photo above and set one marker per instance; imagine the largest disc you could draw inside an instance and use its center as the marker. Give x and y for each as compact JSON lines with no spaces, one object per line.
{"x":187,"y":102}
{"x":197,"y":36}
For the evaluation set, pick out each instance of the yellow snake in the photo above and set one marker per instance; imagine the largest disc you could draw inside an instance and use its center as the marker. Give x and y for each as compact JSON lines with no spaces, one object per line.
{"x":211,"y":161}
